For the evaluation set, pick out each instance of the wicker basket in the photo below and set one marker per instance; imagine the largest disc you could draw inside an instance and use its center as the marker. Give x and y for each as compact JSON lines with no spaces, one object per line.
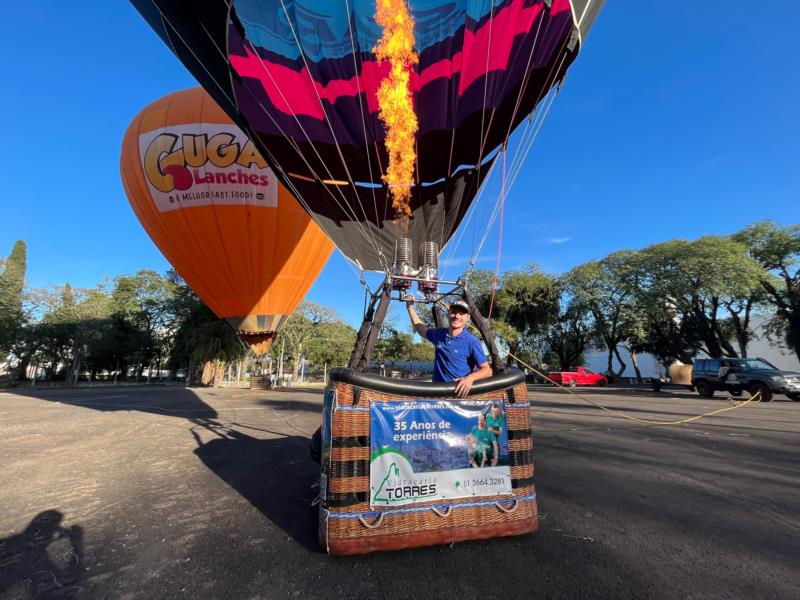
{"x":259,"y":382}
{"x":347,"y":524}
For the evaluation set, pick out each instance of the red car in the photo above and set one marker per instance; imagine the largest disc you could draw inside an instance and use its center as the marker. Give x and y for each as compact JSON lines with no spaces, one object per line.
{"x":577,"y":376}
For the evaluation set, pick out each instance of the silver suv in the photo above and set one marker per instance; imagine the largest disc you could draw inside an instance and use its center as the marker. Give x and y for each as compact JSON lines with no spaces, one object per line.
{"x":734,"y":375}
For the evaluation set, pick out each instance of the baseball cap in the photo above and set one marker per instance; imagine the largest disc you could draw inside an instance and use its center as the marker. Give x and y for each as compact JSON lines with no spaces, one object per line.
{"x":460,"y":304}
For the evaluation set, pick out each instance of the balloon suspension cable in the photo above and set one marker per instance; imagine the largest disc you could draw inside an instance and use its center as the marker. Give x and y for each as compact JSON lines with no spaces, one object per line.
{"x":248,"y":350}
{"x":358,"y":75}
{"x":486,"y":127}
{"x":482,"y":139}
{"x":620,"y":414}
{"x":375,"y":244}
{"x":474,"y":208}
{"x":530,"y":134}
{"x":499,"y":238}
{"x":522,"y":88}
{"x":343,"y":205}
{"x":537,"y":121}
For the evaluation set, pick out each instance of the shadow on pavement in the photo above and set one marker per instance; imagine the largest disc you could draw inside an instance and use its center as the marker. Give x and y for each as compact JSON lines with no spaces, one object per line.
{"x":44,"y":561}
{"x":169,"y":401}
{"x":291,"y":405}
{"x":319,"y":391}
{"x":274,"y":475}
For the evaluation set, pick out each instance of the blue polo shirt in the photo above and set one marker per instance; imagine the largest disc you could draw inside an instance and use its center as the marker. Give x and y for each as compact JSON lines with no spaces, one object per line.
{"x":455,"y":356}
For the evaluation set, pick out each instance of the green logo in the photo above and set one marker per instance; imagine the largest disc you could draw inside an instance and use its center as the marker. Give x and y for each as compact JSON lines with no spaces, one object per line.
{"x":392,"y":467}
{"x":388,"y":494}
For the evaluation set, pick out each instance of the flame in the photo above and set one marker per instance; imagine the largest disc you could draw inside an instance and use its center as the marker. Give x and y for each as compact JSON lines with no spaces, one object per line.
{"x":396,"y":108}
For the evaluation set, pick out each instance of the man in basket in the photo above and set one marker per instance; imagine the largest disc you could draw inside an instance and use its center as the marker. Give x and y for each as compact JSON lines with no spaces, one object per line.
{"x":459,"y":356}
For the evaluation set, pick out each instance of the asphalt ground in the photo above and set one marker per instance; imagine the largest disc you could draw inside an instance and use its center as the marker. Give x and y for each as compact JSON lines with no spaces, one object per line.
{"x":169,"y":492}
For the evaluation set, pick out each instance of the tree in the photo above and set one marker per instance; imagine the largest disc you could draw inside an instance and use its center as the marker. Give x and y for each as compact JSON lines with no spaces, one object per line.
{"x":605,"y":288}
{"x":423,"y":351}
{"x":332,"y":344}
{"x":393,"y":345}
{"x":12,"y":282}
{"x":523,"y":306}
{"x":569,"y":335}
{"x":76,"y":325}
{"x":777,"y":250}
{"x":145,"y":300}
{"x":46,"y":341}
{"x":301,"y":328}
{"x":200,"y":342}
{"x":683,"y":289}
{"x":635,"y":337}
{"x":528,"y":300}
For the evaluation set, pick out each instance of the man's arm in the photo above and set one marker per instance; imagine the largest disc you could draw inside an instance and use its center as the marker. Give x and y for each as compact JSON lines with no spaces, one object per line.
{"x":465,"y":383}
{"x":419,"y":326}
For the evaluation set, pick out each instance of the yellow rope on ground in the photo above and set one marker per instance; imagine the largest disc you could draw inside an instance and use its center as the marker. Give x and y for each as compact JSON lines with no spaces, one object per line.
{"x":616,"y":413}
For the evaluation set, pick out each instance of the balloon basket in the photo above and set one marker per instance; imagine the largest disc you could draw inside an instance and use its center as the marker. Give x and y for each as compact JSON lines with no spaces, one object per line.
{"x":350,"y":521}
{"x":260,"y":382}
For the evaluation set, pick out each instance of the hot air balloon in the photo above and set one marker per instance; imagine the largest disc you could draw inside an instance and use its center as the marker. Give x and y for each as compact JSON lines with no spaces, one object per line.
{"x":384,"y":118}
{"x":303,"y":79}
{"x":214,"y":208}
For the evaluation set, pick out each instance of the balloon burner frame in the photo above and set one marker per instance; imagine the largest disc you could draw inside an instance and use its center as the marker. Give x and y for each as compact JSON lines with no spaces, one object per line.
{"x":424,"y":271}
{"x":404,"y":273}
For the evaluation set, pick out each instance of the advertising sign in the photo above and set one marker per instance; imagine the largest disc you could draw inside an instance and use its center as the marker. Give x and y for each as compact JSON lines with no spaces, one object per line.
{"x":435,"y":450}
{"x":205,"y":163}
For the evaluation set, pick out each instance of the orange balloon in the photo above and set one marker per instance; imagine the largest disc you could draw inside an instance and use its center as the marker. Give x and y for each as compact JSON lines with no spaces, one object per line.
{"x":217,"y":212}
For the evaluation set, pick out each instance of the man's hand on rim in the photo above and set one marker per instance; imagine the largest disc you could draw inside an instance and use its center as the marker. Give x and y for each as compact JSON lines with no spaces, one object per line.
{"x":464,"y":385}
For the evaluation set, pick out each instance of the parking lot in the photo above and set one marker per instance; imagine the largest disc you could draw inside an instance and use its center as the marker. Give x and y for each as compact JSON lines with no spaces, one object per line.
{"x":165,"y":491}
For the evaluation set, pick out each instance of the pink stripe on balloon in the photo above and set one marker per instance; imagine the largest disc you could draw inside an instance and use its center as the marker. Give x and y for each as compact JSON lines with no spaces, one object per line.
{"x":560,"y":6}
{"x":494,"y":39}
{"x":513,"y":20}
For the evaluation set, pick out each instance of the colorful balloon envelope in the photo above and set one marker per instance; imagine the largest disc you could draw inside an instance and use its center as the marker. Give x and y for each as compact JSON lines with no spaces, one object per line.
{"x":208,"y":200}
{"x":335,"y":92}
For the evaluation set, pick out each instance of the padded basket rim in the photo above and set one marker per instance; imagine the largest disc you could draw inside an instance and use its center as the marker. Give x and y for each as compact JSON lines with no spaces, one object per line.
{"x":424,"y":389}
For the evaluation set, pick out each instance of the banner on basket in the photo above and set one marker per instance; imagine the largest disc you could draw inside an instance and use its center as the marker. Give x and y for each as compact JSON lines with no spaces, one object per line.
{"x":437,"y":450}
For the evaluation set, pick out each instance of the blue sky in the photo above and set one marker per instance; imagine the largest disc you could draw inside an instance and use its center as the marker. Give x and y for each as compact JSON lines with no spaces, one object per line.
{"x":678,"y":120}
